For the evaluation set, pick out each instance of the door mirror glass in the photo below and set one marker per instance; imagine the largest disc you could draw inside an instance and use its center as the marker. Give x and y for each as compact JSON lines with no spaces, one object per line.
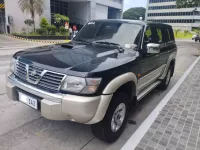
{"x":153,"y":48}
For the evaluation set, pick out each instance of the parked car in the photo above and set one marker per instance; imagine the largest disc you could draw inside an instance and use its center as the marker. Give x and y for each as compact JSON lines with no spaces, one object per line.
{"x":96,"y":78}
{"x":196,"y":37}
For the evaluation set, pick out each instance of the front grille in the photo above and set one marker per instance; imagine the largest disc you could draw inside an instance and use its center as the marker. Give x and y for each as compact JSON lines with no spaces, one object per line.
{"x":38,"y":72}
{"x":50,"y":81}
{"x":21,"y":70}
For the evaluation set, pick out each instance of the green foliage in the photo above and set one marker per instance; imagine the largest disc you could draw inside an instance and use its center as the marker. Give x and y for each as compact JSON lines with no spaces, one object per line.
{"x":29,"y":22}
{"x":181,"y":35}
{"x":62,"y":30}
{"x":187,"y":3}
{"x":134,"y":13}
{"x":197,"y":31}
{"x":44,"y":23}
{"x":186,"y":32}
{"x":176,"y":31}
{"x":33,"y":34}
{"x":51,"y":30}
{"x":41,"y":31}
{"x":60,"y":19}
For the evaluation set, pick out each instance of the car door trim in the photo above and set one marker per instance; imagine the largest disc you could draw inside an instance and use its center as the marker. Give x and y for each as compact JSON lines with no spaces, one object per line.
{"x":149,"y":78}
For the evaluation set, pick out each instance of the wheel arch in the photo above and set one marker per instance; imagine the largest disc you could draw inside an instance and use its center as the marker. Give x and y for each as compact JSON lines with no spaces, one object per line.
{"x":172,"y":59}
{"x":121,"y":82}
{"x":126,"y":82}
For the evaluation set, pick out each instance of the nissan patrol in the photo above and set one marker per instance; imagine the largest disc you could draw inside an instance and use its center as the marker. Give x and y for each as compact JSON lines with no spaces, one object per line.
{"x":98,"y":76}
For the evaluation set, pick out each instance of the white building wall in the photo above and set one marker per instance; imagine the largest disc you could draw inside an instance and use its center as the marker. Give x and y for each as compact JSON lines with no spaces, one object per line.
{"x":101,"y":11}
{"x":110,"y":3}
{"x":12,"y":9}
{"x":79,"y":12}
{"x":175,"y":25}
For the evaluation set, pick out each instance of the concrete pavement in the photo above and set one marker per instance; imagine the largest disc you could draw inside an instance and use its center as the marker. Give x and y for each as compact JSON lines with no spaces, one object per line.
{"x":175,"y":122}
{"x":22,"y":127}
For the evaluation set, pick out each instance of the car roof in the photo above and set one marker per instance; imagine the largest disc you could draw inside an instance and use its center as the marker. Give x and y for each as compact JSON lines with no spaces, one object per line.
{"x":133,"y":21}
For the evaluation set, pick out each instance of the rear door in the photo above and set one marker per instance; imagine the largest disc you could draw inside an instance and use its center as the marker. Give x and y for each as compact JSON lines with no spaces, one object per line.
{"x":168,"y":47}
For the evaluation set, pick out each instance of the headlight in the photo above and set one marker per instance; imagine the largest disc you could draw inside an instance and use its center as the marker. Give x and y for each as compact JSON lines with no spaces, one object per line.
{"x":12,"y":65}
{"x":80,"y":85}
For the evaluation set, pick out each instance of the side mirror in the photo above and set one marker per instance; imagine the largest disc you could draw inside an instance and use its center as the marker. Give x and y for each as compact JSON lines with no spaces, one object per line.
{"x":153,"y":48}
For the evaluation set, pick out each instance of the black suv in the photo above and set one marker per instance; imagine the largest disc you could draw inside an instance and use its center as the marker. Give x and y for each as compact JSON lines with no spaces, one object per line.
{"x":98,"y":76}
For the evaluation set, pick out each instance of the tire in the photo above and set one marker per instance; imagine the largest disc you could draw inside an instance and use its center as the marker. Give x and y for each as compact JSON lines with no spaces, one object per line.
{"x":195,"y":40}
{"x":165,"y":82}
{"x":103,"y":129}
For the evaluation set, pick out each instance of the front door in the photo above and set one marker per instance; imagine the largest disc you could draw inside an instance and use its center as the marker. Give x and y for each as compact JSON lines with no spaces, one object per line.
{"x":149,"y":65}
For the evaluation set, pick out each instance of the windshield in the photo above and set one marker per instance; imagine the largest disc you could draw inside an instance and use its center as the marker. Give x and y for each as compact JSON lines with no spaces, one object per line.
{"x":125,"y":34}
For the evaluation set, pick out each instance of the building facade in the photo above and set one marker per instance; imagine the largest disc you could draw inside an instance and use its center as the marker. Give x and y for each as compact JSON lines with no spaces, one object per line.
{"x":165,"y":11}
{"x":78,"y":11}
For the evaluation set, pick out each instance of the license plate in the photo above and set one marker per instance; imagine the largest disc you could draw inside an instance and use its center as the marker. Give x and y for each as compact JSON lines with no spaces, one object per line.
{"x":28,"y":100}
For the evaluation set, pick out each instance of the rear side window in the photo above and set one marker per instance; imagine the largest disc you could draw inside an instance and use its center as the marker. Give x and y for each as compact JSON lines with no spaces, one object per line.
{"x":171,"y":33}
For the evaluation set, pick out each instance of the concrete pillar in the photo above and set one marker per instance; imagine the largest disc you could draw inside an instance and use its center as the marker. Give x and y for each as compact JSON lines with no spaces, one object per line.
{"x":92,"y":14}
{"x":47,"y":11}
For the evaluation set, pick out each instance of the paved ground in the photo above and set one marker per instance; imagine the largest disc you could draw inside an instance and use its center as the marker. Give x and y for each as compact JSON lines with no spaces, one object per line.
{"x":177,"y":127}
{"x":22,"y":127}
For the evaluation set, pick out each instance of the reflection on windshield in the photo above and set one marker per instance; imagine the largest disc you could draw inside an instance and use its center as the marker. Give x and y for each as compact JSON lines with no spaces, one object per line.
{"x":124,"y":34}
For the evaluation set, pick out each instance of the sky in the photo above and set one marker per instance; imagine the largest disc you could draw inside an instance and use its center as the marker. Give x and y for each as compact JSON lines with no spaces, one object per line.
{"x":134,"y":3}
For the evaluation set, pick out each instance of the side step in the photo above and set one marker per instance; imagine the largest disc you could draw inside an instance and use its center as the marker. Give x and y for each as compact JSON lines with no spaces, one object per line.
{"x":148,"y":89}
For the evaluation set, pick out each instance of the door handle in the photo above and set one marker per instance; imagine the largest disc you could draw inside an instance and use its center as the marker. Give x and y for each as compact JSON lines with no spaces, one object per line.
{"x":157,"y":55}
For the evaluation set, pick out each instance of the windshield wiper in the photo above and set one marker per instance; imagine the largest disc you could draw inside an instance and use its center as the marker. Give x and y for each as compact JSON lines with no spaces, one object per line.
{"x":83,"y":41}
{"x":119,"y":48}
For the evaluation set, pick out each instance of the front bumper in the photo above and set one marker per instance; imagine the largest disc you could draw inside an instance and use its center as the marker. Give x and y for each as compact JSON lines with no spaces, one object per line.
{"x":82,"y":109}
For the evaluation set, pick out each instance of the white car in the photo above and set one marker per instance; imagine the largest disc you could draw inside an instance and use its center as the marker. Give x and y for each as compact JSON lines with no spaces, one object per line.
{"x":194,"y":36}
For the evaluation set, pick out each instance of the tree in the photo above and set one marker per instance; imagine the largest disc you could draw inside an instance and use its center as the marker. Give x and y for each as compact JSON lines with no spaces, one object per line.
{"x":186,"y":32}
{"x":44,"y":23}
{"x":32,"y":7}
{"x":29,"y":23}
{"x":176,"y":31}
{"x":187,"y":3}
{"x":60,"y":19}
{"x":51,"y":29}
{"x":134,"y":13}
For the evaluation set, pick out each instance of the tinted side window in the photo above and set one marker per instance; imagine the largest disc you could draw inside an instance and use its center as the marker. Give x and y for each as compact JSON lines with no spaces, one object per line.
{"x":153,"y":35}
{"x":148,"y":35}
{"x":159,"y":35}
{"x":168,"y":35}
{"x":171,"y":33}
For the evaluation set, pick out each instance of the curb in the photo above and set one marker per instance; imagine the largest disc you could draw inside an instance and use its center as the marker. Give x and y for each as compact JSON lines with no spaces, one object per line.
{"x":41,"y":41}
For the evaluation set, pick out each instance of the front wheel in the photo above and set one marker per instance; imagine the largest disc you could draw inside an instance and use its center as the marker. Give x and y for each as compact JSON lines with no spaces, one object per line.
{"x":165,"y":82}
{"x":113,"y":124}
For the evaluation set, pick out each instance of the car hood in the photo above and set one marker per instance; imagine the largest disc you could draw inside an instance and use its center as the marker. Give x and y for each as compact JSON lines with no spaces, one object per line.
{"x":76,"y":59}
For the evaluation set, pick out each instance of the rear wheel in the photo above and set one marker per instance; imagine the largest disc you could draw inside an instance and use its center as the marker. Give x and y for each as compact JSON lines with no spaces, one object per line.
{"x":112,"y":126}
{"x":165,"y":82}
